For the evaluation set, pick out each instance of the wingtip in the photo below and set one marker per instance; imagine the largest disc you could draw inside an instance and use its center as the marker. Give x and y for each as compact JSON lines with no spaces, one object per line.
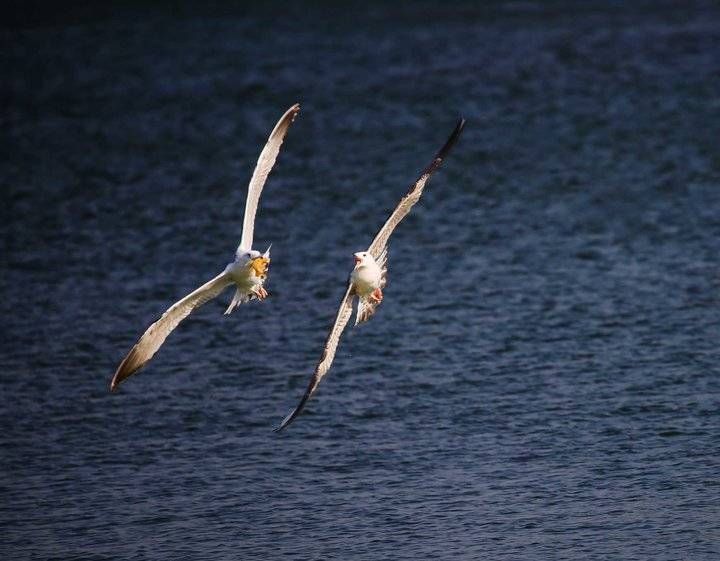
{"x":293,"y":111}
{"x":442,"y":153}
{"x":116,"y":379}
{"x":285,"y":121}
{"x":126,"y":369}
{"x":458,"y":128}
{"x":286,"y":421}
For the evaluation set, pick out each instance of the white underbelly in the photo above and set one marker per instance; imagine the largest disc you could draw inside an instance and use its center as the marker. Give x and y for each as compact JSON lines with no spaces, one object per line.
{"x":366,"y":279}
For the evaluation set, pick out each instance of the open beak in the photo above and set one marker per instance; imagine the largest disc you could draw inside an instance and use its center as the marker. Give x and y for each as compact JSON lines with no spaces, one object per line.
{"x":357,"y":260}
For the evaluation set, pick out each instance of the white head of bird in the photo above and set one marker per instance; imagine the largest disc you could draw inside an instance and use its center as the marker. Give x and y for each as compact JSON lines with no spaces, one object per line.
{"x":252,"y":254}
{"x":363,"y":258}
{"x":255,"y":260}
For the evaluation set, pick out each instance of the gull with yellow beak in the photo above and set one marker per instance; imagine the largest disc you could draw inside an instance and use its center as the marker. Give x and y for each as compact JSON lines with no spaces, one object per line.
{"x":368,"y":277}
{"x":247,"y":272}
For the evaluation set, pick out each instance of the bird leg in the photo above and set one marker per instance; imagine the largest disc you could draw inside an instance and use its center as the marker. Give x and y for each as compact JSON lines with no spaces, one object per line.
{"x":377,"y":295}
{"x":261,"y":293}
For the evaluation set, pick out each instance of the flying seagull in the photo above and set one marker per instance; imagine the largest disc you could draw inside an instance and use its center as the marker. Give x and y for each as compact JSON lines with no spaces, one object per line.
{"x":368,"y":277}
{"x":247,"y":272}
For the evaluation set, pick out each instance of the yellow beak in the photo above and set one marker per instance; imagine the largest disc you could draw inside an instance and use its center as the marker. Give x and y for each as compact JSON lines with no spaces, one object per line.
{"x":260,"y":265}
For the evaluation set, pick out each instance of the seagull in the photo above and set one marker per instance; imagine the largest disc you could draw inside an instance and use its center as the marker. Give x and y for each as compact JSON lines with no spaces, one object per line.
{"x":369,"y":276}
{"x":247,"y":272}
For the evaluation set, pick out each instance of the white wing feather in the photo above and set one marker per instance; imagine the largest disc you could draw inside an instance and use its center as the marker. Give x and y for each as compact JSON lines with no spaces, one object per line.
{"x":156,"y":334}
{"x":262,"y":169}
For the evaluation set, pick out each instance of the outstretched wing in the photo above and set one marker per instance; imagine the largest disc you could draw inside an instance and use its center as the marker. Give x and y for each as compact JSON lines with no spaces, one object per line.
{"x":328,"y":354}
{"x":156,"y":334}
{"x":379,"y":244}
{"x":262,"y":169}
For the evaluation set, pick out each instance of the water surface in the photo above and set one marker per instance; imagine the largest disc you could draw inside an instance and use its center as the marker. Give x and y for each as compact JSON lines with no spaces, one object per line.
{"x":541,"y":380}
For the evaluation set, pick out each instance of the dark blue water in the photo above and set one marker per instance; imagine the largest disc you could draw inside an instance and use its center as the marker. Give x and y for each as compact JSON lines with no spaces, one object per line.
{"x":541,"y":381}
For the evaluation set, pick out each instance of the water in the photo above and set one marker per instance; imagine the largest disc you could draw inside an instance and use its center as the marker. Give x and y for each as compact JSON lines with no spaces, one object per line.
{"x":541,"y":380}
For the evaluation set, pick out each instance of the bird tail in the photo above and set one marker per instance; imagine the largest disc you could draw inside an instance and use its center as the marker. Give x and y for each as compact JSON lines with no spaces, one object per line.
{"x":239,"y":298}
{"x":366,"y":308}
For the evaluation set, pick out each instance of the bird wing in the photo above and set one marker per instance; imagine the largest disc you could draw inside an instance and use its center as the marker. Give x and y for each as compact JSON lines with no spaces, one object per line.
{"x":328,"y":354}
{"x":379,"y":244}
{"x":262,"y":169}
{"x":156,"y":334}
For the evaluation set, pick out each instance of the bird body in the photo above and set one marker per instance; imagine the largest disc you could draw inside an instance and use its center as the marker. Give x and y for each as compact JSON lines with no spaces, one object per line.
{"x":369,"y":276}
{"x":247,"y":272}
{"x":367,"y":280}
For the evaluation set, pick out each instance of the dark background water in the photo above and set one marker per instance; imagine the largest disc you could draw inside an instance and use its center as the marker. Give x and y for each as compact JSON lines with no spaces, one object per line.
{"x":541,"y":381}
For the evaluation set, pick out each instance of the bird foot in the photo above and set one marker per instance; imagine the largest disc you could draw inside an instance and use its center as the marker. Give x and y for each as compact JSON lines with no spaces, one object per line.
{"x":261,"y":293}
{"x":376,"y":295}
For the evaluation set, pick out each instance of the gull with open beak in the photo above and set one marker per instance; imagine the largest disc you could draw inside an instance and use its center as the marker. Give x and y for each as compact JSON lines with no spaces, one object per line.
{"x":247,"y":272}
{"x":368,"y":277}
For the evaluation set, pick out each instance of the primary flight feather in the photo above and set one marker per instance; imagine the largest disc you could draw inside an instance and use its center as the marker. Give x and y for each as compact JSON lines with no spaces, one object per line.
{"x":247,"y":272}
{"x":368,"y":277}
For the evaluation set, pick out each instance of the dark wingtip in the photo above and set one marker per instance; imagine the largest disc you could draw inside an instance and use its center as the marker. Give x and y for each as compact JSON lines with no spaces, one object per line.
{"x":124,"y":371}
{"x":287,"y":420}
{"x":292,"y":415}
{"x":283,"y":125}
{"x":295,"y":412}
{"x":115,"y":382}
{"x":452,"y":140}
{"x":117,"y":379}
{"x":293,"y":111}
{"x":443,"y":152}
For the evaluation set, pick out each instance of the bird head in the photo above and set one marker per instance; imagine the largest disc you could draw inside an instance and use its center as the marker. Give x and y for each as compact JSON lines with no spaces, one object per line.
{"x":362,"y":258}
{"x":259,"y":262}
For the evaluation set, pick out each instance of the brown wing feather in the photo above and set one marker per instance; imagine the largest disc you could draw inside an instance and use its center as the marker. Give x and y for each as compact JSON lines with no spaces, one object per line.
{"x":328,"y":354}
{"x":413,"y":195}
{"x":156,"y":334}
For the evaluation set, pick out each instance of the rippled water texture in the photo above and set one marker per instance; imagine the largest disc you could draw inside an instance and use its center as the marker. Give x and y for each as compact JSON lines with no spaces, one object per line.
{"x":541,"y":381}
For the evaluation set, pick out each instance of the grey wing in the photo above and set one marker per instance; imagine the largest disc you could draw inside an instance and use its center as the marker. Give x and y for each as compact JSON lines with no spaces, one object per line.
{"x":328,"y":354}
{"x":379,"y":244}
{"x":156,"y":334}
{"x":265,"y":163}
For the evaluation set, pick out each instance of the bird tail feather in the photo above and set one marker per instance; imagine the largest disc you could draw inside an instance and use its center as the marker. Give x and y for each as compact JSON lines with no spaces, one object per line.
{"x":239,"y":298}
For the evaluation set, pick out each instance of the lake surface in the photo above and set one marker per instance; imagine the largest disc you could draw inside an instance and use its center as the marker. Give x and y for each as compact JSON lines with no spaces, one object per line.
{"x":541,"y":380}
